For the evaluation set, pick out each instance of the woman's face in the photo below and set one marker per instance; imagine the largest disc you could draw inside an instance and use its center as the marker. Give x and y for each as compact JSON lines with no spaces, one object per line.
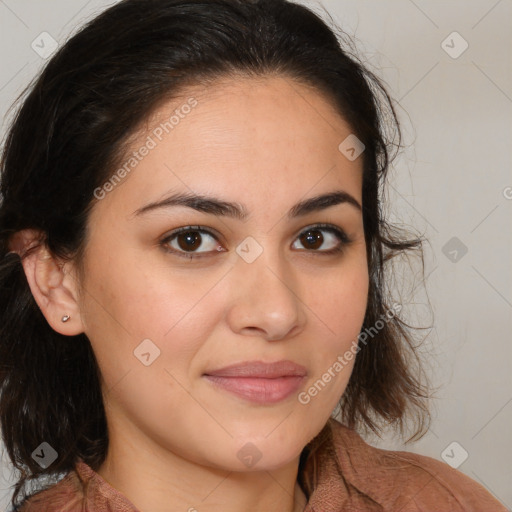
{"x":257,"y":289}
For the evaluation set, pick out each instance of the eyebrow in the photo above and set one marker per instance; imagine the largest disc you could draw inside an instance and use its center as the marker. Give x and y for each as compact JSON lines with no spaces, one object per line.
{"x":215,"y":206}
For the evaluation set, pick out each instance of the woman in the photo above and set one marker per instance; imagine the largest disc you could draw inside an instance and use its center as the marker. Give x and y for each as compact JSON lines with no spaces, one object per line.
{"x":194,"y":263}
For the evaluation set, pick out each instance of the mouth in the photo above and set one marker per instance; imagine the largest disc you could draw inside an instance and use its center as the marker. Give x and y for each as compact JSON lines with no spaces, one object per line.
{"x":259,"y":382}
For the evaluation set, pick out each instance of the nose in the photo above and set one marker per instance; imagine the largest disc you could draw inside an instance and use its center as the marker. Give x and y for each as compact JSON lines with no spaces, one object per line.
{"x":265,"y":299}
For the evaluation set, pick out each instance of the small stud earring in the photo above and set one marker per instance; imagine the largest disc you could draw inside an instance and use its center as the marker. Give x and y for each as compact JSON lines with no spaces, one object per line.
{"x":65,"y":318}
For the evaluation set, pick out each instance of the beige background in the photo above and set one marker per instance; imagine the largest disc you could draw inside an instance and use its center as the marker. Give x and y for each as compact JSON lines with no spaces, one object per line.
{"x":453,"y":179}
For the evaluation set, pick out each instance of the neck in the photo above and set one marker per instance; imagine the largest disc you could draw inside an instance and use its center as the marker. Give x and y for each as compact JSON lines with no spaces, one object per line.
{"x":134,"y":468}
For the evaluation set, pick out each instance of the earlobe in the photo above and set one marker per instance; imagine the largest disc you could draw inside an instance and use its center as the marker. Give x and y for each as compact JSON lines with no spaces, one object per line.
{"x":53,"y":289}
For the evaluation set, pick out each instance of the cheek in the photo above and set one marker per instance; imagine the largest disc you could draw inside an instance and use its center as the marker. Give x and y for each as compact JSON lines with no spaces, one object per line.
{"x":341,"y":302}
{"x":127,"y":305}
{"x":339,"y":309}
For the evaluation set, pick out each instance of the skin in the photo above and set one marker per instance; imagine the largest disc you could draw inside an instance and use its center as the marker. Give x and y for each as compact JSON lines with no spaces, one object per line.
{"x":172,"y":432}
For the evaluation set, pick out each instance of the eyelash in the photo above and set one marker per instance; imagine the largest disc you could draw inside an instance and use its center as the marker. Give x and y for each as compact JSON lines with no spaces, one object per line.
{"x":339,"y":233}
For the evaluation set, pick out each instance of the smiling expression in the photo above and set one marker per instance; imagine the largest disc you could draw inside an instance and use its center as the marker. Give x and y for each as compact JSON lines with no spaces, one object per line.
{"x":257,"y":254}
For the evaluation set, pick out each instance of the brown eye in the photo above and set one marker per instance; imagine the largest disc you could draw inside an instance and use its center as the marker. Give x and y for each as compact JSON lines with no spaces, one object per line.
{"x":312,"y":239}
{"x":191,"y":242}
{"x":195,"y":241}
{"x":316,"y":237}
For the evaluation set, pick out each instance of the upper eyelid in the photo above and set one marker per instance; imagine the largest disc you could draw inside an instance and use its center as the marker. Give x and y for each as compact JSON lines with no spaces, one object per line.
{"x":212,"y":232}
{"x":186,"y":229}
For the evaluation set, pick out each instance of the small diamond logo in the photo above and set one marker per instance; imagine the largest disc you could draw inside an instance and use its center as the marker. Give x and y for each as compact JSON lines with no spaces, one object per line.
{"x":44,"y":45}
{"x":249,"y":249}
{"x":249,"y":454}
{"x":454,"y":250}
{"x":351,"y":147}
{"x":454,"y":454}
{"x":454,"y":45}
{"x":146,"y":352}
{"x":44,"y":455}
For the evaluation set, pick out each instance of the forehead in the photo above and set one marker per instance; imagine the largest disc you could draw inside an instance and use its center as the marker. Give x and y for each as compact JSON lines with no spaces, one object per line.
{"x":245,"y":136}
{"x":254,"y":110}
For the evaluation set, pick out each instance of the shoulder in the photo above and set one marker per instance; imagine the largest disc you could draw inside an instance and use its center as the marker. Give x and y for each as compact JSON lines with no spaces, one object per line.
{"x":81,"y":489}
{"x":401,"y":480}
{"x":63,"y":496}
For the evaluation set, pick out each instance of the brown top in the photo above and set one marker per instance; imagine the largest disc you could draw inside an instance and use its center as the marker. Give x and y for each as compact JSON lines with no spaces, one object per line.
{"x":371,"y":480}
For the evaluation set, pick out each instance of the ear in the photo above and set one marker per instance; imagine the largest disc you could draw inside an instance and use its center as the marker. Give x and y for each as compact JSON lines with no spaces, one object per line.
{"x":54,"y":288}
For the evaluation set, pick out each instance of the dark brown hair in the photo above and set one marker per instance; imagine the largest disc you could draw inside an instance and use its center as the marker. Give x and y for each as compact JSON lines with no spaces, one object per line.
{"x":70,"y":132}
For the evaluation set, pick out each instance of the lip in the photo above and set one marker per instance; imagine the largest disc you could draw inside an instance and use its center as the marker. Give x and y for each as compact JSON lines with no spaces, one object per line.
{"x":259,"y":382}
{"x":260,"y":369}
